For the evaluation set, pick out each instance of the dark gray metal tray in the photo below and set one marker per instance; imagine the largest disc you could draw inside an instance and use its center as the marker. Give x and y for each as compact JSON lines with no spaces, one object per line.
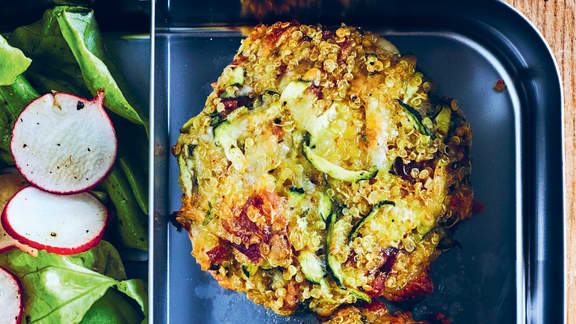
{"x":510,"y":267}
{"x":126,"y":33}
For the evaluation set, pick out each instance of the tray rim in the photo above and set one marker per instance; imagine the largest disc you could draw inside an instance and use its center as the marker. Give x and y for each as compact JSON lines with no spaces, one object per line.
{"x":562,"y":148}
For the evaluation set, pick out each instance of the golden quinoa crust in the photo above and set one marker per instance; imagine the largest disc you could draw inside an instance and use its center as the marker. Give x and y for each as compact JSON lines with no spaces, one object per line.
{"x":375,"y":313}
{"x":304,"y":118}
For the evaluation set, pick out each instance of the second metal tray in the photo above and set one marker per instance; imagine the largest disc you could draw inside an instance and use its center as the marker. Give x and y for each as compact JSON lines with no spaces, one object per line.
{"x":511,"y":262}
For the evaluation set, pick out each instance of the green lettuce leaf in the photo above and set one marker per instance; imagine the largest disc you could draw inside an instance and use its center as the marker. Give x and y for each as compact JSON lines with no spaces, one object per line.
{"x":130,"y":224}
{"x":5,"y":132}
{"x":104,"y":259}
{"x":12,"y":63}
{"x":133,"y":159}
{"x":137,"y":290}
{"x":13,"y":98}
{"x":15,"y":93}
{"x":137,"y":183}
{"x":62,"y":289}
{"x":5,"y":159}
{"x":54,"y":66}
{"x":113,"y":308}
{"x":80,"y":31}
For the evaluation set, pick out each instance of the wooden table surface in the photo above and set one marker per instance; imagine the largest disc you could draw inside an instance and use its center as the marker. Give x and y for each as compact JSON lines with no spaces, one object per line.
{"x":556,"y":20}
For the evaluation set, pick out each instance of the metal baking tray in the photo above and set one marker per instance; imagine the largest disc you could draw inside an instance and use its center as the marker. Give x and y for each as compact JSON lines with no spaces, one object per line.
{"x":510,"y":267}
{"x":126,"y":33}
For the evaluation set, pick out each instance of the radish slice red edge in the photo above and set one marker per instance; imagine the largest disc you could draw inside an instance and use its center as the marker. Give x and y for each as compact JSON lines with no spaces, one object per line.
{"x":10,"y":298}
{"x":64,"y":144}
{"x":61,"y":224}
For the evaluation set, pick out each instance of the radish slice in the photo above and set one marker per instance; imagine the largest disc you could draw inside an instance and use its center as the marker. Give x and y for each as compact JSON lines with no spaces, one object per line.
{"x":10,"y":298}
{"x":11,"y":182}
{"x":58,"y":224}
{"x":64,"y":144}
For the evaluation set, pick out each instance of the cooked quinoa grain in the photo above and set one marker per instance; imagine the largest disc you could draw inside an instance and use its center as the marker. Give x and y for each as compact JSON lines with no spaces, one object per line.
{"x":321,"y":171}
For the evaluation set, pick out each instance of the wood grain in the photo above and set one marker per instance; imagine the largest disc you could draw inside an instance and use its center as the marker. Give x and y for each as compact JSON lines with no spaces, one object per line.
{"x":556,"y":20}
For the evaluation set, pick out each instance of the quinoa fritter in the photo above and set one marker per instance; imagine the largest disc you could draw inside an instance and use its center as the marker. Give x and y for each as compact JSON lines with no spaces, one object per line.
{"x":321,"y":171}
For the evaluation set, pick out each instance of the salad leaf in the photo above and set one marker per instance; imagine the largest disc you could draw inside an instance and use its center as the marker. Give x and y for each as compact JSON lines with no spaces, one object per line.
{"x":62,"y":289}
{"x":5,"y":159}
{"x":136,"y":184}
{"x":12,"y":64}
{"x":103,"y":259}
{"x":133,"y":159}
{"x":101,"y":195}
{"x":54,"y":66}
{"x":137,"y":290}
{"x":56,"y":288}
{"x":15,"y":93}
{"x":113,"y":308}
{"x":131,"y":224}
{"x":80,"y":31}
{"x":68,"y":55}
{"x":14,"y":97}
{"x":47,"y":79}
{"x":5,"y":132}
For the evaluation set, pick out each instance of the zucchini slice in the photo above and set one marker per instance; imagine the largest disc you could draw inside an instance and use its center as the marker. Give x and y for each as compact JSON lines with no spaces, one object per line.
{"x":336,"y":269}
{"x":226,"y":135}
{"x":312,"y":266}
{"x":333,"y":264}
{"x":415,"y":117}
{"x":443,"y":120}
{"x":186,"y":164}
{"x":336,"y":232}
{"x":336,"y":171}
{"x":237,"y":76}
{"x":325,"y":206}
{"x":368,"y":217}
{"x":412,"y":89}
{"x":360,"y":295}
{"x":209,"y":215}
{"x":294,"y":90}
{"x":187,"y":125}
{"x":249,"y":269}
{"x":296,"y":196}
{"x":226,"y":95}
